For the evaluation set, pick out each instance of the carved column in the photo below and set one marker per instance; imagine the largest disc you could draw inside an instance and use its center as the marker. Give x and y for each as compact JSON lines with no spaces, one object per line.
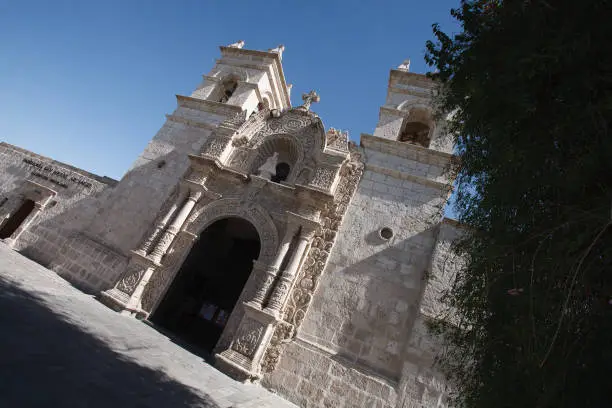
{"x":166,"y":240}
{"x":284,"y":284}
{"x":145,"y":247}
{"x":269,"y":274}
{"x":127,"y":293}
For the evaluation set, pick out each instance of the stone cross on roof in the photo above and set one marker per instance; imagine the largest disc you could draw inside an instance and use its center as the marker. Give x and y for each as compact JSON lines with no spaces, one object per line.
{"x":309,"y":98}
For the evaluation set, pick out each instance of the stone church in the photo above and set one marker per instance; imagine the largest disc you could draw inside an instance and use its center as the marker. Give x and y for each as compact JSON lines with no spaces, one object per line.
{"x":298,"y":259}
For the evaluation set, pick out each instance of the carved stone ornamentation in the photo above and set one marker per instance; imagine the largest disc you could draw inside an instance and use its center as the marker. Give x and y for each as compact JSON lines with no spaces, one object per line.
{"x":239,"y":142}
{"x":239,"y":159}
{"x":283,"y":333}
{"x":309,"y":98}
{"x":162,"y":278}
{"x":131,"y":278}
{"x":264,"y":283}
{"x":337,"y":139}
{"x":215,"y":147}
{"x":323,"y":178}
{"x":247,"y":338}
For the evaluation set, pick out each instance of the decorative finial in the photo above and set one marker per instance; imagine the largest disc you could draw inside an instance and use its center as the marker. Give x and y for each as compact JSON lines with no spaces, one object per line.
{"x":309,"y":98}
{"x":238,"y":44}
{"x":278,"y":50}
{"x":404,"y":66}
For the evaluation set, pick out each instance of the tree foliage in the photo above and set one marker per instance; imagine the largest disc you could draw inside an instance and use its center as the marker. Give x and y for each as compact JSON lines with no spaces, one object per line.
{"x":530,"y":87}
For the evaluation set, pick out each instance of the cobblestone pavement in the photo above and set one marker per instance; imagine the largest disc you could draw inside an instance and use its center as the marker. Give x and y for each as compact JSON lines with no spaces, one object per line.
{"x":61,"y":348}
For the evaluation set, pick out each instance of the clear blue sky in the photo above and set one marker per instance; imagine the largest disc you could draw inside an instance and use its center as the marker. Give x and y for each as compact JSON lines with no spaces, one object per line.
{"x":89,"y":82}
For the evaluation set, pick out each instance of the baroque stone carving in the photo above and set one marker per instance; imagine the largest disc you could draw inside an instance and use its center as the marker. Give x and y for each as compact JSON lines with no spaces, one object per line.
{"x":162,"y":278}
{"x":337,"y":139}
{"x":282,"y":334}
{"x":215,"y":146}
{"x":131,"y":278}
{"x":316,"y":259}
{"x":305,"y":129}
{"x":323,"y":178}
{"x":247,"y":338}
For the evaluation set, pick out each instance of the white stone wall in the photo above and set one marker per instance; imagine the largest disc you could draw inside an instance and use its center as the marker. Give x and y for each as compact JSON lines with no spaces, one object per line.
{"x":130,"y":210}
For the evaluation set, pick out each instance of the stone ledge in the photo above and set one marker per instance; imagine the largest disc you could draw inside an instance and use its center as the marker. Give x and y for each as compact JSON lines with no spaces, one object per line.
{"x":333,"y":355}
{"x":401,"y":149}
{"x":406,"y":176}
{"x":189,"y":122}
{"x":208,"y":106}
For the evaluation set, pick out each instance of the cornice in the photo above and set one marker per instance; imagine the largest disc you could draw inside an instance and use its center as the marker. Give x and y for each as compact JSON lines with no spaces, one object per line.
{"x":189,"y":122}
{"x":211,"y":78}
{"x":412,"y":78}
{"x":419,"y":92}
{"x":403,"y":149}
{"x":208,"y":106}
{"x":407,"y":176}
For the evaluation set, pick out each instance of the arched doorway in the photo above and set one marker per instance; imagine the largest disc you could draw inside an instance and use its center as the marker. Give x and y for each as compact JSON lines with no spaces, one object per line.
{"x":17,"y":219}
{"x":206,"y":288}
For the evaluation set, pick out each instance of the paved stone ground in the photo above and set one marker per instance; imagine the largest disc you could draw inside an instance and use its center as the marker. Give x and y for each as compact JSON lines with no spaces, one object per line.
{"x":61,"y":348}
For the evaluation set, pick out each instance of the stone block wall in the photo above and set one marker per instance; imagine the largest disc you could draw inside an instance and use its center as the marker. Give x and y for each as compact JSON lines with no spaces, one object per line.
{"x":54,"y":238}
{"x":130,"y":210}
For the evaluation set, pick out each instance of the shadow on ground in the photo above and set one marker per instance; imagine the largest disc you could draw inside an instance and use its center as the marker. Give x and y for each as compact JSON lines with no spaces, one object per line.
{"x":47,"y":361}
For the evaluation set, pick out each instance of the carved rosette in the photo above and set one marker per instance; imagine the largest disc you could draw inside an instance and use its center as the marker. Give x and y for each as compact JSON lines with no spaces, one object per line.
{"x":248,"y":337}
{"x":302,"y":294}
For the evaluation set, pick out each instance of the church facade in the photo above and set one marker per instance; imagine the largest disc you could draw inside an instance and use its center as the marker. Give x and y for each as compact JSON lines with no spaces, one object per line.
{"x":297,"y":258}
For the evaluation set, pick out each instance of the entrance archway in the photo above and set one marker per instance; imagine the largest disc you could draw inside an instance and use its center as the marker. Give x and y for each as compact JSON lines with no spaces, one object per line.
{"x":15,"y":220}
{"x":206,"y":288}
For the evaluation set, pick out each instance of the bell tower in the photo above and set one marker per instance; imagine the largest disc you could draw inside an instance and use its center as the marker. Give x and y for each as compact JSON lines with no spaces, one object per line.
{"x":241,"y":83}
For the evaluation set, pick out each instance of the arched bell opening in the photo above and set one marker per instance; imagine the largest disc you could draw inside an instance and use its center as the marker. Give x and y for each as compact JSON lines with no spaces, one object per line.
{"x":417,"y":127}
{"x":206,"y":289}
{"x":276,"y":159}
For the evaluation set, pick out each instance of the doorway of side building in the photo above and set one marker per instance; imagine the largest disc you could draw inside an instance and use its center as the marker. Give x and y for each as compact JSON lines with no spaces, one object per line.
{"x":16,"y":219}
{"x":206,"y":288}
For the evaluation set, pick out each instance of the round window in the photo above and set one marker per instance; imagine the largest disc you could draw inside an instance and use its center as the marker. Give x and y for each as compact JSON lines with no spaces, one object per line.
{"x":386,"y":233}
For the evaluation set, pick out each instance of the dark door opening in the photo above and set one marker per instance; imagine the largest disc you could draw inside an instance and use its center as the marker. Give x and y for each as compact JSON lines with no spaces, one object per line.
{"x":17,"y":219}
{"x":206,"y":288}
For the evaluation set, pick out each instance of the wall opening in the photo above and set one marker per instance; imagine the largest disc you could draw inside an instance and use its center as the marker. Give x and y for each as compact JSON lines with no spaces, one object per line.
{"x":415,"y":133}
{"x":228,"y":88}
{"x":206,"y":288}
{"x":16,"y":219}
{"x":282,"y":172}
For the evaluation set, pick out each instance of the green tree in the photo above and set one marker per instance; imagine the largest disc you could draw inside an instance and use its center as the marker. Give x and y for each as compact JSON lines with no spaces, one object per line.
{"x":530,"y":87}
